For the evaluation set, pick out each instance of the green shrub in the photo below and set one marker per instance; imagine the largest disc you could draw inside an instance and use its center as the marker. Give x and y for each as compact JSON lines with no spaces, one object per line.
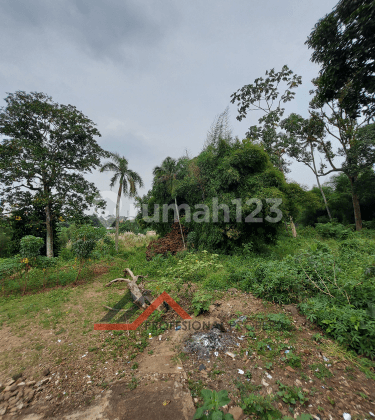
{"x":105,"y":246}
{"x":66,"y":254}
{"x":291,"y":395}
{"x":9,"y":266}
{"x":292,"y":360}
{"x":30,"y":247}
{"x":334,"y":288}
{"x":65,"y":233}
{"x":201,"y":302}
{"x":226,"y":171}
{"x":279,"y":322}
{"x":240,"y":276}
{"x":85,"y":240}
{"x":130,"y":226}
{"x":348,"y":325}
{"x":261,"y":407}
{"x":212,"y":401}
{"x":333,"y":230}
{"x":216,"y":281}
{"x":193,"y":266}
{"x":369,"y":224}
{"x":279,"y":281}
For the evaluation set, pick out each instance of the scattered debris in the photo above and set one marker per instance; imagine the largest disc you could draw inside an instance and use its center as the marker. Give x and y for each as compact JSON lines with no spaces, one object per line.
{"x":264,"y":383}
{"x":204,"y":342}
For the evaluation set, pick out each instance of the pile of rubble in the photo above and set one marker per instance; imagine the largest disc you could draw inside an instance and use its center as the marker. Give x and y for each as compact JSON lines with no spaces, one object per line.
{"x":171,"y":242}
{"x":18,"y":394}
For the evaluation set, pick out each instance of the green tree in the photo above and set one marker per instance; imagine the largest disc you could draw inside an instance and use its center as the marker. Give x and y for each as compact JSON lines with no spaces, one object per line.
{"x":343,"y":43}
{"x":95,"y":220}
{"x":300,"y":143}
{"x":31,"y":221}
{"x":128,"y":181}
{"x":339,"y":197}
{"x":263,"y":95}
{"x":46,"y":151}
{"x":336,"y":134}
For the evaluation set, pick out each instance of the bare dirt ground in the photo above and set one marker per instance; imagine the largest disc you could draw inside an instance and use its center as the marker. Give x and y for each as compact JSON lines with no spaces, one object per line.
{"x":164,"y":381}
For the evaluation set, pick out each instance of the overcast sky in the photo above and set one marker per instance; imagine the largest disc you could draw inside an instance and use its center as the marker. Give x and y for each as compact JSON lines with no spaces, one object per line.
{"x":153,"y":75}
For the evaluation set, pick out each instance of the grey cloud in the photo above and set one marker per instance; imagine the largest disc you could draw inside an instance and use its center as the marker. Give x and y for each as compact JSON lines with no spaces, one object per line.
{"x":110,"y":29}
{"x":159,"y":69}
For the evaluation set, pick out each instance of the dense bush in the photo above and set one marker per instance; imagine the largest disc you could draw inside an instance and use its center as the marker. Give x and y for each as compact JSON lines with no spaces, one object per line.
{"x":226,"y":171}
{"x":339,"y":196}
{"x":335,"y":289}
{"x":106,"y":246}
{"x":333,"y":230}
{"x":85,"y":239}
{"x":30,"y":247}
{"x":65,"y":234}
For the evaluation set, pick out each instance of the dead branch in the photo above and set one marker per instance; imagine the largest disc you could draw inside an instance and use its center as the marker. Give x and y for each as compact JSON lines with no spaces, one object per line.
{"x":312,"y":281}
{"x":138,"y":293}
{"x":116,"y":280}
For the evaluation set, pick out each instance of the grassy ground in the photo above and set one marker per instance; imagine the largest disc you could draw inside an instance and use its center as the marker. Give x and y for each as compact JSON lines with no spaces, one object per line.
{"x":52,"y":326}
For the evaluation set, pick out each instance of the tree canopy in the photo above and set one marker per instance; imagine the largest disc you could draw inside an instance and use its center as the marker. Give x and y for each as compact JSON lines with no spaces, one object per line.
{"x":344,"y":44}
{"x":264,"y":95}
{"x":46,"y":150}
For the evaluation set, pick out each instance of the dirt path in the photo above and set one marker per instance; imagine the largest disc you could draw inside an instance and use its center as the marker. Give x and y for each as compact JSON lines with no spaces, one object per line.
{"x":163,"y":392}
{"x":167,"y":380}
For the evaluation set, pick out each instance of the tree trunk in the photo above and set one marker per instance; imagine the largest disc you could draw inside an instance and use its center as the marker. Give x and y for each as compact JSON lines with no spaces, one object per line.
{"x":293,"y":227}
{"x":320,"y":187}
{"x":117,"y":216}
{"x":178,"y":217}
{"x":49,"y":238}
{"x":356,"y":205}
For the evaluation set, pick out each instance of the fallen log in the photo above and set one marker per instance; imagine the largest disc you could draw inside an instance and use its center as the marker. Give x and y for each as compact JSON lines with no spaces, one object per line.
{"x":138,"y":293}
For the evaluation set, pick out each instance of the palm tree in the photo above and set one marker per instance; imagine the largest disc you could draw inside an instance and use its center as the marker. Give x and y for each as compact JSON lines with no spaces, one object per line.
{"x":128,"y":181}
{"x":167,"y":173}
